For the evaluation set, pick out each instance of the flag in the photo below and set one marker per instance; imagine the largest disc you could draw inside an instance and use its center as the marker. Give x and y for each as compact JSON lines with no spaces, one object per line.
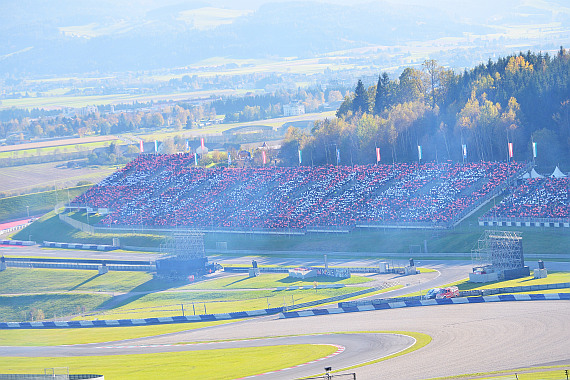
{"x":195,"y":159}
{"x":300,"y":158}
{"x":534,"y":150}
{"x":155,"y":146}
{"x":337,"y":156}
{"x":464,"y":148}
{"x":510,"y":150}
{"x":229,"y":159}
{"x":419,"y":152}
{"x":187,"y":145}
{"x":202,"y":144}
{"x":264,"y":157}
{"x":377,"y":154}
{"x":141,"y":146}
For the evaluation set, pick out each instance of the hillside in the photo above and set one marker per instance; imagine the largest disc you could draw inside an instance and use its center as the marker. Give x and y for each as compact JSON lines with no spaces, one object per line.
{"x":115,"y":36}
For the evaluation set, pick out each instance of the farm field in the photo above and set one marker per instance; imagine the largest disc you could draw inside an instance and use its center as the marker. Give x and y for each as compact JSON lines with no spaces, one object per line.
{"x":54,"y":102}
{"x":58,"y":142}
{"x":22,"y":179}
{"x":50,"y":150}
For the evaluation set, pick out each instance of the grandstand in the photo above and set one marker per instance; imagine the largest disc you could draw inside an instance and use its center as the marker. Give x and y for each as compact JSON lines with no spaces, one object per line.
{"x":168,"y":191}
{"x":540,"y":202}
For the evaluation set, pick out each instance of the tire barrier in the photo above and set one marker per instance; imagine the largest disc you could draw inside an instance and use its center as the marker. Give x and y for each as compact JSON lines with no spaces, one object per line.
{"x":92,"y":247}
{"x":17,"y":242}
{"x":446,"y":301}
{"x":139,"y":322}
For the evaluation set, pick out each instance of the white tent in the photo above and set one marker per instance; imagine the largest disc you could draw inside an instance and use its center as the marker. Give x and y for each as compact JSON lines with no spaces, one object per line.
{"x":532,"y":174}
{"x":557,"y":173}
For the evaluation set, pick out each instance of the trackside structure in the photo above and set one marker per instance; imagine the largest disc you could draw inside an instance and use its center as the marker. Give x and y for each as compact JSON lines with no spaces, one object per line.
{"x":186,"y":256}
{"x":498,"y":256}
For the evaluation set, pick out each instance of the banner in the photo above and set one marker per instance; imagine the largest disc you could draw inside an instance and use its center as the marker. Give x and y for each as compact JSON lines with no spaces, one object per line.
{"x":337,"y":156}
{"x":510,"y":150}
{"x":419,"y":152}
{"x":202,"y":144}
{"x":187,"y":145}
{"x":464,"y":148}
{"x":141,"y":146}
{"x":300,"y":159}
{"x":377,"y":155}
{"x":264,"y":157}
{"x":229,"y":159}
{"x":155,"y":146}
{"x":534,"y":150}
{"x":195,"y":159}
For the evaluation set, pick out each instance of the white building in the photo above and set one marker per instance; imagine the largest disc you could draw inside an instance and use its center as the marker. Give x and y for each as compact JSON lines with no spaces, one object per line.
{"x":293,"y":109}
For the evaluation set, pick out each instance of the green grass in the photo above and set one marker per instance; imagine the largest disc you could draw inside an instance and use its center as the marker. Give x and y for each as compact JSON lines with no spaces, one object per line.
{"x":21,"y":307}
{"x":72,"y":148}
{"x":553,"y":278}
{"x":168,"y":304}
{"x":23,"y":280}
{"x":270,"y":280}
{"x":50,"y":228}
{"x":534,"y":373}
{"x":239,"y":362}
{"x":92,"y":335}
{"x":38,"y":203}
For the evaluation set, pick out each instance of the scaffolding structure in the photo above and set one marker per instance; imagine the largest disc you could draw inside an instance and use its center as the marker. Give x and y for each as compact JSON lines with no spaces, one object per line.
{"x":184,"y":246}
{"x":501,"y":250}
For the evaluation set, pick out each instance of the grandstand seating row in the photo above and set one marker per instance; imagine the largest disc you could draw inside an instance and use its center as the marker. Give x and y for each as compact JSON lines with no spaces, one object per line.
{"x":535,"y":198}
{"x":168,"y":190}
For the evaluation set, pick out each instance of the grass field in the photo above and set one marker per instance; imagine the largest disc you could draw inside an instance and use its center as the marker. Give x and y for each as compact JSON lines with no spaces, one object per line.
{"x":181,"y":365}
{"x":41,"y":306}
{"x":270,"y":280}
{"x":34,"y":204}
{"x":92,"y":335}
{"x":23,"y":280}
{"x":169,"y":303}
{"x":50,"y":228}
{"x":23,"y":179}
{"x":553,"y":278}
{"x":54,"y":149}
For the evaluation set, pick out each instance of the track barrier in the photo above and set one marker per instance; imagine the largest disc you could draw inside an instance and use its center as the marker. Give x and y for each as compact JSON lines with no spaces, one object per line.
{"x":432,"y":302}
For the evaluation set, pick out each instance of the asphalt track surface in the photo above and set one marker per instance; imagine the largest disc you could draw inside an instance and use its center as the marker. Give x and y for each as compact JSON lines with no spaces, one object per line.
{"x":466,"y":338}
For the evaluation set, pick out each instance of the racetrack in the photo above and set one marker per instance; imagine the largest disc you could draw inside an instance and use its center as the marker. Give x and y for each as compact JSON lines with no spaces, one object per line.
{"x":466,"y":338}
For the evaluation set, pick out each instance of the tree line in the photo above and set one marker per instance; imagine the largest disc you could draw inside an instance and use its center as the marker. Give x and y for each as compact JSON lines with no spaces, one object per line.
{"x":520,"y":99}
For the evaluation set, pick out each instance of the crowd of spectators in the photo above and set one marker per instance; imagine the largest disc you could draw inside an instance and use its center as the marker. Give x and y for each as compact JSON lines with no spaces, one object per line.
{"x":162,"y":190}
{"x":536,"y":198}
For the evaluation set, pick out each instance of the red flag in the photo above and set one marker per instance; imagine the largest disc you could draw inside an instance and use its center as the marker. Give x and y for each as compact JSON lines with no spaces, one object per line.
{"x":264,"y":157}
{"x":141,"y":146}
{"x":510,"y":150}
{"x":377,"y":154}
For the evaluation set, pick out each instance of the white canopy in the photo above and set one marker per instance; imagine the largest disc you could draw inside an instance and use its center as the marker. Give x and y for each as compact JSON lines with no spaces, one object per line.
{"x":557,"y":173}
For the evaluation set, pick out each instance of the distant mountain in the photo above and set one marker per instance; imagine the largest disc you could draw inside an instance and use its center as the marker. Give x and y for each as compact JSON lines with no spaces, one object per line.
{"x":78,"y":36}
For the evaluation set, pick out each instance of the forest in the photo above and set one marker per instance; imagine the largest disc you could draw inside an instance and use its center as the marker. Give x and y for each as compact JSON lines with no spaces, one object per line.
{"x":473,"y":116}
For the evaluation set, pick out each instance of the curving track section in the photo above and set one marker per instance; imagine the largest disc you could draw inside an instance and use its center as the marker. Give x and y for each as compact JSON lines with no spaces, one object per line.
{"x":466,"y":338}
